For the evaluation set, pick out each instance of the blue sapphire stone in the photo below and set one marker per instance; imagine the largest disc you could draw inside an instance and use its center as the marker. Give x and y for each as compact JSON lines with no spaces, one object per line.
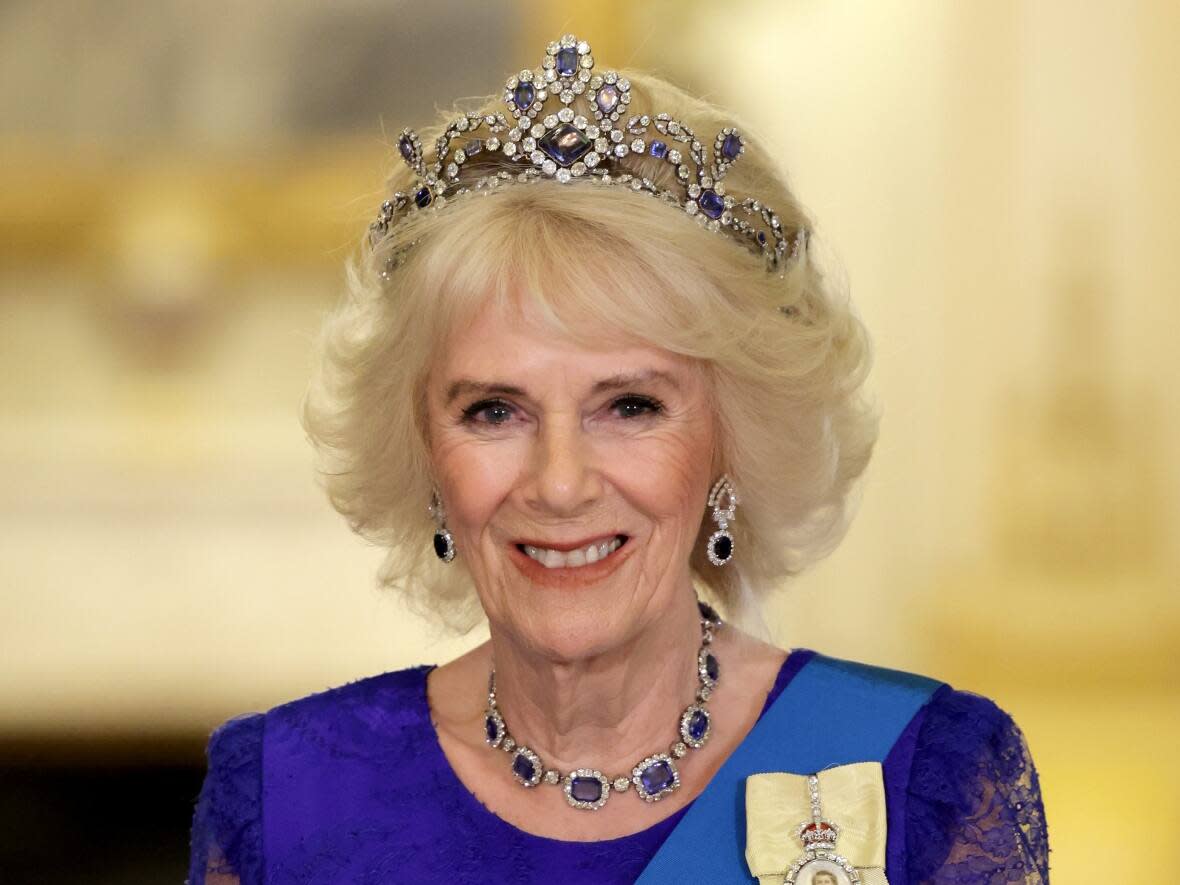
{"x":567,"y":61}
{"x":523,"y":95}
{"x":731,"y":147}
{"x":657,"y":777}
{"x":422,"y":198}
{"x":711,"y":203}
{"x":698,"y":724}
{"x":607,"y":98}
{"x":406,"y":147}
{"x":523,"y":767}
{"x":658,"y":149}
{"x":492,"y":727}
{"x":723,"y":548}
{"x":586,"y":789}
{"x":566,"y":144}
{"x":712,"y":668}
{"x":761,"y":238}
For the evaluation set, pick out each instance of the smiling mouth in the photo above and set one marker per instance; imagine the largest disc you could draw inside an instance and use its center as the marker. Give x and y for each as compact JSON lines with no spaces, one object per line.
{"x":578,"y":558}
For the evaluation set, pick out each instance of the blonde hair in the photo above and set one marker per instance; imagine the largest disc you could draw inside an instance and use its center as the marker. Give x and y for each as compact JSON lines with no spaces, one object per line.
{"x":796,"y":431}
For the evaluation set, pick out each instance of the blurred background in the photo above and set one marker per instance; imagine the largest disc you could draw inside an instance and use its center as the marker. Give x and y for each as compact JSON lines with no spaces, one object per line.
{"x":179,"y":186}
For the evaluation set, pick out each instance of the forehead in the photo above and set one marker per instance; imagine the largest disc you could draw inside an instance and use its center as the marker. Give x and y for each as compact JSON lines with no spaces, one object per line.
{"x":507,"y":342}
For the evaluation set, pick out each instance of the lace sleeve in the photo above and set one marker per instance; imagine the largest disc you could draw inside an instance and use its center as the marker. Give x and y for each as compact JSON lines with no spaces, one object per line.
{"x":975,"y":815}
{"x":227,"y":825}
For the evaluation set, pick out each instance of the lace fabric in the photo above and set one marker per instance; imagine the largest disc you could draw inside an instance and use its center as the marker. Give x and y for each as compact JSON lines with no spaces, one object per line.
{"x":974,"y":810}
{"x":969,"y":796}
{"x":227,"y":828}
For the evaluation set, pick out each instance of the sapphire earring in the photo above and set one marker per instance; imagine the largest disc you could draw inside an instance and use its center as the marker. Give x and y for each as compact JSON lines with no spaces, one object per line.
{"x":723,"y":499}
{"x":444,"y":542}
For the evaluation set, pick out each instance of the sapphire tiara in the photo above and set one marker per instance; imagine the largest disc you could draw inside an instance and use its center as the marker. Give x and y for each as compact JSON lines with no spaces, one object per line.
{"x":546,"y":138}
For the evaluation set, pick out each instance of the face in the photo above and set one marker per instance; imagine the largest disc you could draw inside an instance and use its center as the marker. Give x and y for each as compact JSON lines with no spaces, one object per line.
{"x":550,"y":455}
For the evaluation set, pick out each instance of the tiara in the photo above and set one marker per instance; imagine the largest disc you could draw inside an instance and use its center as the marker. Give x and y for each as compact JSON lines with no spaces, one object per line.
{"x":548,"y":139}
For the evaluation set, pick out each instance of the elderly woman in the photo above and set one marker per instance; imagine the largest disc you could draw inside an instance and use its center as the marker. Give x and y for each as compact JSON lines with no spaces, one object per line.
{"x":587,"y":373}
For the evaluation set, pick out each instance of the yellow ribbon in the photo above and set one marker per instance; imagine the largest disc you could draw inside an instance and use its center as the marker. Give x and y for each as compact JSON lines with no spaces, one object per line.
{"x":851,"y":796}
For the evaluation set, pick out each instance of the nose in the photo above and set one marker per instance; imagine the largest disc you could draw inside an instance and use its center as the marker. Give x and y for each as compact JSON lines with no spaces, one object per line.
{"x":564,"y":479}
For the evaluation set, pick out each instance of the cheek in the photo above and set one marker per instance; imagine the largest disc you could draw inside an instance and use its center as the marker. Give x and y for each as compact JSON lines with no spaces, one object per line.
{"x":475,"y":476}
{"x":668,"y":473}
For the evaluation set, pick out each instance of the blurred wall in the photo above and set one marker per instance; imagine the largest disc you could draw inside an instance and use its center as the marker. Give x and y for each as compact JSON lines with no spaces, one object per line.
{"x":996,"y":180}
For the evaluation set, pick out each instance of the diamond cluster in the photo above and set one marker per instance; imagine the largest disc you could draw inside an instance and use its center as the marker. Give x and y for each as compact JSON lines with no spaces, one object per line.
{"x":653,"y":778}
{"x":541,"y":137}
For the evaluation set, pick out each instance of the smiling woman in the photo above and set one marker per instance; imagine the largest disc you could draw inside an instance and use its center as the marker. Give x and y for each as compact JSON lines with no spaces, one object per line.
{"x":618,"y":379}
{"x":596,"y":266}
{"x":610,"y":445}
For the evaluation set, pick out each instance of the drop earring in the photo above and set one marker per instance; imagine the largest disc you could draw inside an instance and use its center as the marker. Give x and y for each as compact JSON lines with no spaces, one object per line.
{"x":444,"y":542}
{"x":723,"y":499}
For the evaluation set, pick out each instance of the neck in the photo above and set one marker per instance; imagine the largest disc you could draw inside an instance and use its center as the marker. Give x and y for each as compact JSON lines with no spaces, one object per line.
{"x":606,"y":711}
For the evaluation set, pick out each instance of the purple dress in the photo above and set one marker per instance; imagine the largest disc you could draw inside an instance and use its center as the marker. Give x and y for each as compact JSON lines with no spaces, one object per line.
{"x":352,"y":786}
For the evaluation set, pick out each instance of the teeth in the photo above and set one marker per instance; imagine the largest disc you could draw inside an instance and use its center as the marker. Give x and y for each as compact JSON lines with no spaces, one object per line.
{"x":574,"y":558}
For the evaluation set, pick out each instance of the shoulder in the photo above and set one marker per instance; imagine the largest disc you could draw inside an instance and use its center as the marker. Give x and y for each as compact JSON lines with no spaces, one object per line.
{"x":946,"y":726}
{"x":296,"y":759}
{"x":973,"y":796}
{"x":939,"y":727}
{"x":236,"y":743}
{"x":393,"y":700}
{"x":962,"y":770}
{"x":400,"y":695}
{"x":938,"y":707}
{"x":963,"y":736}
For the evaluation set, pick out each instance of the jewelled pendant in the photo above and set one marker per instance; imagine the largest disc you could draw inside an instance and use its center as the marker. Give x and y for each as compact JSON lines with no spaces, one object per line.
{"x":819,"y":863}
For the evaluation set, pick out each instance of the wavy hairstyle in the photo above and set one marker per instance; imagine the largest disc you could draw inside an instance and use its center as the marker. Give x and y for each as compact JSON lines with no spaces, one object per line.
{"x":786,"y":354}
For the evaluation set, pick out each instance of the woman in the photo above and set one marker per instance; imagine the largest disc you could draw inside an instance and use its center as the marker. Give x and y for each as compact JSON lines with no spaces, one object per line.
{"x":595,"y":343}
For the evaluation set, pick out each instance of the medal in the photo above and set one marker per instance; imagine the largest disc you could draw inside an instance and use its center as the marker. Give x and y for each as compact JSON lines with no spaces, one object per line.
{"x":819,"y":864}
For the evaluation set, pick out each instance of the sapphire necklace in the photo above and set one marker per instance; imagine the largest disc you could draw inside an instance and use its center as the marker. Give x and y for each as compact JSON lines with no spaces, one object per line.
{"x":653,"y":778}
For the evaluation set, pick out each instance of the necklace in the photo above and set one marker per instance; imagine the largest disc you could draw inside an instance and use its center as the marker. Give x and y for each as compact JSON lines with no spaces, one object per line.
{"x":653,"y":777}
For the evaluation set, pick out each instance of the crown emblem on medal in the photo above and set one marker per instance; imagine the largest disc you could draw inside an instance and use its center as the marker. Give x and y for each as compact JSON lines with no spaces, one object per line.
{"x":542,"y":136}
{"x":820,"y":834}
{"x":819,"y":860}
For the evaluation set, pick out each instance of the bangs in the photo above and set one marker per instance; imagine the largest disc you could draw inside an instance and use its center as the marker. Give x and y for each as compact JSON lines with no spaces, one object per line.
{"x":593,"y":269}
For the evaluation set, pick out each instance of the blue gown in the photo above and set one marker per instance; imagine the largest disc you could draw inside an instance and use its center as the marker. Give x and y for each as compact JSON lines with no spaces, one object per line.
{"x":351,"y":786}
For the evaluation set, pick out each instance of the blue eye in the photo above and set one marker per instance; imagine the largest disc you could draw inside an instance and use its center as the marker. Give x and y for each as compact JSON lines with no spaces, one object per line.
{"x":494,"y":412}
{"x":637,"y":406}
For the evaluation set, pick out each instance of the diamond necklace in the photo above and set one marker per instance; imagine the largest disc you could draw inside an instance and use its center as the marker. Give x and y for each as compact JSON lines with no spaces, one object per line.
{"x":653,"y":778}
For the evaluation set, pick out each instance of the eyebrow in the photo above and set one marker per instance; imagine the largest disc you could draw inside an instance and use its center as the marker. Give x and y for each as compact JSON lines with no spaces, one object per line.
{"x":615,"y":382}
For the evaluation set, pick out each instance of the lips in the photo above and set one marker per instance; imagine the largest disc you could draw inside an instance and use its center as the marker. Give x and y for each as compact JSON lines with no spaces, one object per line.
{"x":566,"y":575}
{"x":566,"y":546}
{"x":551,"y":557}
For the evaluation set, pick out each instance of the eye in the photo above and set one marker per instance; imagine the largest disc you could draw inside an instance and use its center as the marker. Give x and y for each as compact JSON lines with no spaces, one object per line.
{"x":633,"y":406}
{"x":487,"y":412}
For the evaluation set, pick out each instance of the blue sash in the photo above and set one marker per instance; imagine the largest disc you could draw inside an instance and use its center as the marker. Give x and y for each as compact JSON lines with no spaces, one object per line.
{"x":832,"y":712}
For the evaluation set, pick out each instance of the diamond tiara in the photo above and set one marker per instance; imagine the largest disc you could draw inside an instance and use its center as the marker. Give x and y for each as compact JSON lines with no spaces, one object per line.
{"x":548,"y":139}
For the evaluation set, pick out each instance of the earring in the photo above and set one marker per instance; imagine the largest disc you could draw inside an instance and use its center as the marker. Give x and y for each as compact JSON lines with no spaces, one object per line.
{"x":723,"y":499}
{"x":444,"y":542}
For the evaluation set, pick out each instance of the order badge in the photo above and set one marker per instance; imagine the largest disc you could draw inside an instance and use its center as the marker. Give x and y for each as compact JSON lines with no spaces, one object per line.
{"x":820,"y":863}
